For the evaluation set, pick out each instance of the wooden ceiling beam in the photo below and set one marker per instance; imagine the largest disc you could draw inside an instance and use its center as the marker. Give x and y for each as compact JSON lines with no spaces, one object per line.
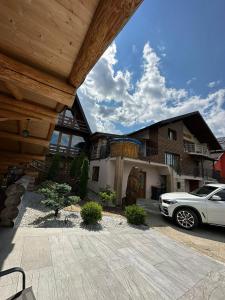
{"x":14,"y":90}
{"x":22,"y":76}
{"x":12,"y":115}
{"x":19,"y":138}
{"x":9,"y":155}
{"x":109,"y":18}
{"x":27,"y":108}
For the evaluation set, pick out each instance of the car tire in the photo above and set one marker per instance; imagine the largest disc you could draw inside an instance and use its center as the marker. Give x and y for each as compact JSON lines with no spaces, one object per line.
{"x":186,"y":218}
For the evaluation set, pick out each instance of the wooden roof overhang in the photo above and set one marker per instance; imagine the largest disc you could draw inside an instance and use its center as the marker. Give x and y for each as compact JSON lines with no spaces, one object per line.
{"x":46,"y":50}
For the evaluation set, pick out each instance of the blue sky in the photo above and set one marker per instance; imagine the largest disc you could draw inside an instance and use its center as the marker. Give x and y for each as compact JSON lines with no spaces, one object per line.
{"x":168,"y":60}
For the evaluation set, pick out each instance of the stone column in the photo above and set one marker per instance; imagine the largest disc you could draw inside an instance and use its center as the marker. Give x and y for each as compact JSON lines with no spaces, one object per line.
{"x":118,"y":180}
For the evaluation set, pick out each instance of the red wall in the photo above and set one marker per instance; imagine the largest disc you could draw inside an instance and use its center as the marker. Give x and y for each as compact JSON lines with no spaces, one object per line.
{"x":220,"y":165}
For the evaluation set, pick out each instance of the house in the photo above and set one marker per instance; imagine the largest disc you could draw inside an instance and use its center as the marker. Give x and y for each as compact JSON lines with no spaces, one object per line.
{"x":71,"y":134}
{"x":173,"y":155}
{"x":220,"y":163}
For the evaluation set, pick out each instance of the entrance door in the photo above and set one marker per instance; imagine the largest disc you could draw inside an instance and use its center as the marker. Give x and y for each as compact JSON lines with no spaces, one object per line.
{"x":193,"y":185}
{"x":142,"y":190}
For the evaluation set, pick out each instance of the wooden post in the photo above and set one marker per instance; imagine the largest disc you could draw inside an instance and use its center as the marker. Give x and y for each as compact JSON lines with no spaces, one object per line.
{"x":118,"y":180}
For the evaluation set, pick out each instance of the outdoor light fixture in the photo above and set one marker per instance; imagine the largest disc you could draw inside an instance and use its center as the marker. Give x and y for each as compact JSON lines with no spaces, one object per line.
{"x":26,"y":132}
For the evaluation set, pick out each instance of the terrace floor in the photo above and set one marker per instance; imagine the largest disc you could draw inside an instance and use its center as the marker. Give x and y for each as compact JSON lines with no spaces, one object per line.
{"x":127,"y":263}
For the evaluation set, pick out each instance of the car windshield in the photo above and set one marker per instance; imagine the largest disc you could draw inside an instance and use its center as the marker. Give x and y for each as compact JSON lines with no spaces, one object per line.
{"x":204,"y":190}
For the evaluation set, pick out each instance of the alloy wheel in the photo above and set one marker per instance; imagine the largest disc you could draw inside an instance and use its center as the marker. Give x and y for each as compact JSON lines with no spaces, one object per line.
{"x":185,"y":219}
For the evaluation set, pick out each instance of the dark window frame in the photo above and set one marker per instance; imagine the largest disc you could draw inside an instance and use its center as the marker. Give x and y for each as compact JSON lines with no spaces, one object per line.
{"x":95,"y":173}
{"x":173,"y":160}
{"x":172,"y":134}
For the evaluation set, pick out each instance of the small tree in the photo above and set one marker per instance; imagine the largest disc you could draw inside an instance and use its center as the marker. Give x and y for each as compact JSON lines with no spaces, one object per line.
{"x":76,"y":164}
{"x":56,"y":196}
{"x":84,"y":178}
{"x":54,"y":167}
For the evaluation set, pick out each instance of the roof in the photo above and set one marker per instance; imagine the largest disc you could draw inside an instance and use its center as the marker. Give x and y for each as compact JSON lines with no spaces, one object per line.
{"x":77,"y":105}
{"x":47,"y":48}
{"x":217,"y":185}
{"x":195,"y":123}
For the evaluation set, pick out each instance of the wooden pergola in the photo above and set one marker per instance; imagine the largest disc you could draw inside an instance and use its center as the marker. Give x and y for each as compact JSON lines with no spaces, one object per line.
{"x":46,"y":50}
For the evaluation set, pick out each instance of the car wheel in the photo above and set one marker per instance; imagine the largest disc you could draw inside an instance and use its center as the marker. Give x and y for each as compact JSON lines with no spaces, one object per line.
{"x":186,"y":218}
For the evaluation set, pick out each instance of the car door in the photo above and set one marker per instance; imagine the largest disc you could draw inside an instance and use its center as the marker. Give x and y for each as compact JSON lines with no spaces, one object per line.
{"x":216,"y":209}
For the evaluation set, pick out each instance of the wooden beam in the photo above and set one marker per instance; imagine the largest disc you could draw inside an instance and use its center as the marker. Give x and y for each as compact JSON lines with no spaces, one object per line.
{"x":14,"y":90}
{"x":36,"y":81}
{"x":109,"y":18}
{"x":29,"y":109}
{"x":12,"y":115}
{"x":19,"y":138}
{"x":9,"y":155}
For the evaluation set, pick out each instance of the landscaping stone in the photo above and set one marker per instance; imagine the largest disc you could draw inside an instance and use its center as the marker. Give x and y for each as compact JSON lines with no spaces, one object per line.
{"x":34,"y":214}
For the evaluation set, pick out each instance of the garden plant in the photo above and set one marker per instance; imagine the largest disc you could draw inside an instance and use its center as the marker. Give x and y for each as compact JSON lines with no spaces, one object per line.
{"x":57,"y":196}
{"x":91,"y":212}
{"x":135,"y":214}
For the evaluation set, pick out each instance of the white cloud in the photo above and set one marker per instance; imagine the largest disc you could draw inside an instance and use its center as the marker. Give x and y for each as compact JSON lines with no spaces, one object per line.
{"x":191,"y":80}
{"x":109,"y":97}
{"x":213,"y":84}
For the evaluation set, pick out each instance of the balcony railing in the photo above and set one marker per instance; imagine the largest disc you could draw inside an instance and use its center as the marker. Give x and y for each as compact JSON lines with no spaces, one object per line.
{"x":72,"y":123}
{"x":104,"y":151}
{"x":65,"y":151}
{"x":196,"y":149}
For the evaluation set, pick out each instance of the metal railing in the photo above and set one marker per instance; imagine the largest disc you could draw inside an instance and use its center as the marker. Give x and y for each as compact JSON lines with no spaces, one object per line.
{"x":64,"y":150}
{"x":72,"y":123}
{"x":196,"y":149}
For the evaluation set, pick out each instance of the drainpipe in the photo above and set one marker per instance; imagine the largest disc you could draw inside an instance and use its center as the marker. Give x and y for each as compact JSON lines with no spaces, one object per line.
{"x":118,"y":179}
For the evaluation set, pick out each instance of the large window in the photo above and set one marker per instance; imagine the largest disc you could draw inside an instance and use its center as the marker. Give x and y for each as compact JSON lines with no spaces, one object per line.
{"x":172,"y":135}
{"x":95,"y":173}
{"x":65,"y":138}
{"x":77,"y":141}
{"x":55,"y":137}
{"x":172,"y":160}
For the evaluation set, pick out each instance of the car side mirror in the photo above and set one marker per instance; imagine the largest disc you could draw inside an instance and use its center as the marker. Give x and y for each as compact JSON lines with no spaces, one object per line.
{"x":215,"y":198}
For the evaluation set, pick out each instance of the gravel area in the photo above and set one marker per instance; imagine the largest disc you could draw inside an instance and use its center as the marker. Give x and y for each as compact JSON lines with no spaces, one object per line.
{"x":34,"y":214}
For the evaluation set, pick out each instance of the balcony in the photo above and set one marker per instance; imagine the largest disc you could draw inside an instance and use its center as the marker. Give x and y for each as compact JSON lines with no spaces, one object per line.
{"x":198,"y":172}
{"x":64,"y":150}
{"x":196,"y":149}
{"x":72,"y":123}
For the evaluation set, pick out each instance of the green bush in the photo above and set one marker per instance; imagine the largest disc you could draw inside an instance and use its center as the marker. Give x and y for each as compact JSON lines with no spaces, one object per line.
{"x":107,"y":196}
{"x":91,"y":212}
{"x":84,"y":179}
{"x":76,"y":164}
{"x":135,"y":214}
{"x":54,"y":167}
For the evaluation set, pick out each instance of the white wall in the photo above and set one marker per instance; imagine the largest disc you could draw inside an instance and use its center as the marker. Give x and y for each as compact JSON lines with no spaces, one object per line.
{"x":106,"y":174}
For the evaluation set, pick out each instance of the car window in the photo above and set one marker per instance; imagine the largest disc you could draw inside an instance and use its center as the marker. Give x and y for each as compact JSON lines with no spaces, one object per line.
{"x":221,"y":194}
{"x":204,"y":190}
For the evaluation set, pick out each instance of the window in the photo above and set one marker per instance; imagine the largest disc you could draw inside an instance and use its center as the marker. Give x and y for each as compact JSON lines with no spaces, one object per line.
{"x":172,"y":160}
{"x":178,"y":185}
{"x":221,"y":194}
{"x":77,"y":141}
{"x":65,"y":140}
{"x":172,"y":135}
{"x":95,"y":173}
{"x":204,"y":191}
{"x":55,"y":137}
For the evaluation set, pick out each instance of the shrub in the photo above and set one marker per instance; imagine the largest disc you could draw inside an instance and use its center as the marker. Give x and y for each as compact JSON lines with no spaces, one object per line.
{"x":135,"y":214}
{"x":107,"y":196}
{"x":84,"y":178}
{"x":91,"y":212}
{"x":54,"y":167}
{"x":76,"y":164}
{"x":56,"y":196}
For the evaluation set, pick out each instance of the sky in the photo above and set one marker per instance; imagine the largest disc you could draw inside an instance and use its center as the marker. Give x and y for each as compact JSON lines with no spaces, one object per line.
{"x":167,"y":61}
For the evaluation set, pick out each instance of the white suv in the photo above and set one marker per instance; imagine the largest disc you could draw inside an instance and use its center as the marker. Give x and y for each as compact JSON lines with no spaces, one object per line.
{"x":204,"y":205}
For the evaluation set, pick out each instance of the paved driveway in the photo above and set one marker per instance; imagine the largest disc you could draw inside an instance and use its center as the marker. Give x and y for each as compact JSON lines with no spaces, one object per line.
{"x":206,"y":239}
{"x":119,"y":264}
